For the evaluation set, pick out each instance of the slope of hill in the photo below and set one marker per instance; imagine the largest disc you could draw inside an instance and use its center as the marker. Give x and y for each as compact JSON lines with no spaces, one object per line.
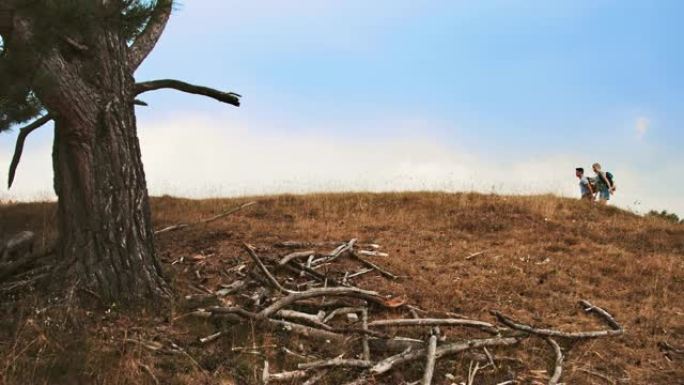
{"x":531,"y":257}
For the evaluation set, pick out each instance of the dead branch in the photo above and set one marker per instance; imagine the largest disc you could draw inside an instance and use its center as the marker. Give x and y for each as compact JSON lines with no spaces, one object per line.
{"x":341,"y":311}
{"x":320,"y":292}
{"x":473,"y":255}
{"x":369,"y":253}
{"x":225,"y":97}
{"x":271,"y":278}
{"x":204,"y":221}
{"x":374,"y":266}
{"x":616,"y":328}
{"x":210,"y":338}
{"x":364,"y":341}
{"x":21,"y":264}
{"x":588,"y":307}
{"x":314,"y":319}
{"x":296,"y":255}
{"x":431,"y":357}
{"x":558,"y":364}
{"x":19,"y":147}
{"x":267,"y":377}
{"x":486,"y":326}
{"x":18,"y":245}
{"x":387,"y":364}
{"x":336,"y":362}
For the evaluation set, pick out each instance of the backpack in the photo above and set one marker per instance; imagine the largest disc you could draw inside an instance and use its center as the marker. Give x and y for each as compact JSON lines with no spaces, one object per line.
{"x":611,"y":179}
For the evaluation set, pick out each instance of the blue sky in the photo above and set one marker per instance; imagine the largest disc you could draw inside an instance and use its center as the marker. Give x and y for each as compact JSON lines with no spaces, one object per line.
{"x":506,"y":96}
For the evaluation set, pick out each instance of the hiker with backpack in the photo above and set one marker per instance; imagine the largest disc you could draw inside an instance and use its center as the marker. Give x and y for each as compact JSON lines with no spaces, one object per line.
{"x":586,"y":188}
{"x":604,"y":184}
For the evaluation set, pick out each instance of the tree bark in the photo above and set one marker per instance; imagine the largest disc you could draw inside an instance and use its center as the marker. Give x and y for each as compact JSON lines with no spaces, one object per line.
{"x":106,"y":239}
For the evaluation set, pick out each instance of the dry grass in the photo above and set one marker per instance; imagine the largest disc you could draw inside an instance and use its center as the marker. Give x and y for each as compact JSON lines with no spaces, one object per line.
{"x":543,"y":254}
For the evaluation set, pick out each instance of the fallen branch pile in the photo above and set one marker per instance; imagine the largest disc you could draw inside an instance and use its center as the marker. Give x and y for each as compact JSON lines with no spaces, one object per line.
{"x":364,"y":334}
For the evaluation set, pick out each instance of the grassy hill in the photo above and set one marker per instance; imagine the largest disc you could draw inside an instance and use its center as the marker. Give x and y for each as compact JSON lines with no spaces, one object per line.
{"x":531,"y":257}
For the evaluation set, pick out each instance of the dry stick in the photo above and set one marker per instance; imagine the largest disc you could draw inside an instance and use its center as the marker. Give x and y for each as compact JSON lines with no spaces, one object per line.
{"x":267,"y":377}
{"x":340,"y":311}
{"x":296,"y":255}
{"x":359,"y":273}
{"x":364,"y":325}
{"x":370,"y":264}
{"x":336,"y":362}
{"x":485,"y":326}
{"x":588,"y":307}
{"x":271,"y":278}
{"x":314,"y":319}
{"x":369,"y":253}
{"x":320,"y":292}
{"x":210,"y":338}
{"x":431,"y":357}
{"x":558,"y":365}
{"x":340,"y":250}
{"x":388,"y":363}
{"x":617,"y":329}
{"x":473,"y":255}
{"x":202,"y":221}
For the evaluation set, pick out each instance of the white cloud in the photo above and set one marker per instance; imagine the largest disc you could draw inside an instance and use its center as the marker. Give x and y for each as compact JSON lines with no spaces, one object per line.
{"x":199,"y":157}
{"x":642,"y":125}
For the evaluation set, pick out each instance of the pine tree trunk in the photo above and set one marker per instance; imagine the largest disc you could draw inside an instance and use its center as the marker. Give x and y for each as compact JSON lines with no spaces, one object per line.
{"x":106,"y":239}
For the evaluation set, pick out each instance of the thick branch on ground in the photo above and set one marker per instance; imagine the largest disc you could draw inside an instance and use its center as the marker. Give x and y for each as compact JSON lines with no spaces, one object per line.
{"x":297,"y":254}
{"x":225,"y":97}
{"x":148,"y":38}
{"x":486,"y":326}
{"x":387,"y":364}
{"x":271,"y":278}
{"x":558,"y":364}
{"x":11,"y":268}
{"x":321,"y":292}
{"x":616,"y":328}
{"x":19,"y":148}
{"x":430,"y":359}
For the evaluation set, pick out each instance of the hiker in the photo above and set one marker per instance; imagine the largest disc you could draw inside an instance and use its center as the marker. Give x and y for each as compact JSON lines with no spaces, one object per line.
{"x":604,"y":184}
{"x":586,"y":189}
